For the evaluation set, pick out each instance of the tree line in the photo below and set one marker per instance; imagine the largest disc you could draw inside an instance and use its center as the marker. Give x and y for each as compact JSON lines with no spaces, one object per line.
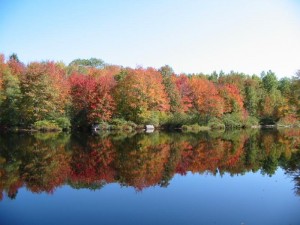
{"x":89,"y":91}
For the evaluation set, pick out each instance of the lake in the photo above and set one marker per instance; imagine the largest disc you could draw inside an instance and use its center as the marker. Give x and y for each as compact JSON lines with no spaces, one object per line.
{"x":240,"y":177}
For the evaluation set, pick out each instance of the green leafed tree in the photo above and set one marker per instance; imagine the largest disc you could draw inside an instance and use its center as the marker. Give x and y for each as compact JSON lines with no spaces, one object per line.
{"x":14,"y":57}
{"x":269,"y":81}
{"x":170,"y":88}
{"x":83,"y":65}
{"x":10,"y":113}
{"x":45,"y":93}
{"x":296,"y":92}
{"x":252,"y":95}
{"x":9,"y":92}
{"x":285,"y":87}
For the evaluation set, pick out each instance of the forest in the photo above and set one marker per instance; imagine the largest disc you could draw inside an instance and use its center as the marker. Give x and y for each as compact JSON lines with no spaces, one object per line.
{"x":54,"y":96}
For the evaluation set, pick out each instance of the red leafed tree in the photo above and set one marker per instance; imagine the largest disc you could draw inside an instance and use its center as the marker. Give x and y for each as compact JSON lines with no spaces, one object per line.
{"x":102,"y":104}
{"x":232,"y":98}
{"x":16,"y":67}
{"x":91,"y":97}
{"x":183,"y":86}
{"x":3,"y":68}
{"x":205,"y":97}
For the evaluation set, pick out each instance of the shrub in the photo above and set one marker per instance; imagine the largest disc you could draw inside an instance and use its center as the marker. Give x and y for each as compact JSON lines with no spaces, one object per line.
{"x":46,"y":125}
{"x":215,"y":123}
{"x":251,"y":121}
{"x":185,"y":127}
{"x":121,"y":124}
{"x":127,"y":127}
{"x":132,"y":124}
{"x":194,"y":128}
{"x":289,"y":120}
{"x":63,"y":122}
{"x":163,"y":118}
{"x":114,"y":127}
{"x":233,"y":120}
{"x":150,"y":117}
{"x":104,"y":126}
{"x":118,"y":122}
{"x":180,"y":119}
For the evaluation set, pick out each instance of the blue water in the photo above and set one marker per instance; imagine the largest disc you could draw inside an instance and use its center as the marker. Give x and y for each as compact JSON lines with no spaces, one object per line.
{"x":249,"y":199}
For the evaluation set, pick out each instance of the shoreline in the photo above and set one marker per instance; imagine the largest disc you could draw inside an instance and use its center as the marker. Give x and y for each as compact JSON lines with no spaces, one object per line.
{"x":141,"y":130}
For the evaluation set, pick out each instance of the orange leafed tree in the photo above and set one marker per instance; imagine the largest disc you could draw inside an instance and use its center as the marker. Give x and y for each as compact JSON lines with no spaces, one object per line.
{"x":16,"y":67}
{"x":233,"y":100}
{"x":3,"y":70}
{"x":107,"y":71}
{"x":140,"y":91}
{"x":156,"y":95}
{"x":205,"y":96}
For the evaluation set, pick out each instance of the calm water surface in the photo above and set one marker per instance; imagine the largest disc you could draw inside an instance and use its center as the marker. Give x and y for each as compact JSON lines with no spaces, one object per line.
{"x":239,"y":177}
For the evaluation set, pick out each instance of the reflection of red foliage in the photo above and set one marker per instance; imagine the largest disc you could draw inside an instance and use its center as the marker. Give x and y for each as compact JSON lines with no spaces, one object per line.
{"x":186,"y":157}
{"x":231,"y":160}
{"x":142,"y":164}
{"x":144,"y":167}
{"x":95,"y":165}
{"x":48,"y":175}
{"x":210,"y":156}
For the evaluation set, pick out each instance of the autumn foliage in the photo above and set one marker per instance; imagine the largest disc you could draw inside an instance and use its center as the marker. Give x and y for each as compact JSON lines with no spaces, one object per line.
{"x":91,"y":97}
{"x":90,"y":92}
{"x":139,"y":92}
{"x":45,"y":92}
{"x":205,"y":97}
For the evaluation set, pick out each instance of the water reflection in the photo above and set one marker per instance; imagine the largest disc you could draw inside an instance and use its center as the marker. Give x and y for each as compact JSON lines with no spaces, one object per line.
{"x":43,"y":162}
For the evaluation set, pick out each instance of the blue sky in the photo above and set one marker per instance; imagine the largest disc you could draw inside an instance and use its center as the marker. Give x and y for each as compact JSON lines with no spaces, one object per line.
{"x":191,"y":36}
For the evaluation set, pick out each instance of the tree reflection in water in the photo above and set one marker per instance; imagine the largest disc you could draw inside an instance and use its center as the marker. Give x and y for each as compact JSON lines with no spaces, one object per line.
{"x":43,"y":162}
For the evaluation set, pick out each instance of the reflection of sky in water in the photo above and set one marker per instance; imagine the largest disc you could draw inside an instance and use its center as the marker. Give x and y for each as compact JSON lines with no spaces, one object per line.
{"x":193,"y":199}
